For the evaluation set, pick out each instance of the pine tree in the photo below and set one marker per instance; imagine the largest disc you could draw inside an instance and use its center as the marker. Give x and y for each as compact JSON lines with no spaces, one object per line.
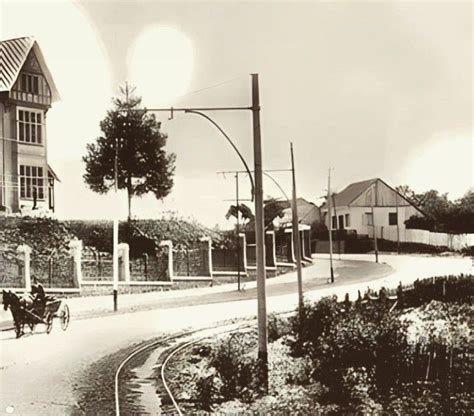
{"x":132,"y":147}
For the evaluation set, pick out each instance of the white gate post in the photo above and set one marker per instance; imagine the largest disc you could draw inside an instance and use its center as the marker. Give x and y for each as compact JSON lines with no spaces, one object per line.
{"x":207,"y":245}
{"x":25,"y":251}
{"x":124,"y":255}
{"x":169,"y":244}
{"x":243,"y":242}
{"x":75,"y":249}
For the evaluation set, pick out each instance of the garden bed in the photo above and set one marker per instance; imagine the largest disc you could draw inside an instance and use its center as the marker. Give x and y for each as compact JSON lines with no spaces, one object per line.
{"x":372,"y":356}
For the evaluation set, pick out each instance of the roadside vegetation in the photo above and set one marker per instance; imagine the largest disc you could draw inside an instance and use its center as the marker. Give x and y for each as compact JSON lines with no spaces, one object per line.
{"x":369,"y":357}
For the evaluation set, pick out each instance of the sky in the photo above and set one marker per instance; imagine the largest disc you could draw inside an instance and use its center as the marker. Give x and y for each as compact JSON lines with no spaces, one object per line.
{"x":369,"y":89}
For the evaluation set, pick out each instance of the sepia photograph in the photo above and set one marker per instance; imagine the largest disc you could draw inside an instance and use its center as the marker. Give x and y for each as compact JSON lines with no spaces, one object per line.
{"x":236,"y":207}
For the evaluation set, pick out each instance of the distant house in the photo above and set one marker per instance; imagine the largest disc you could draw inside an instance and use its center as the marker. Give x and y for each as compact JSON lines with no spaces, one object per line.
{"x":308,"y":214}
{"x":27,"y":91}
{"x":361,"y":205}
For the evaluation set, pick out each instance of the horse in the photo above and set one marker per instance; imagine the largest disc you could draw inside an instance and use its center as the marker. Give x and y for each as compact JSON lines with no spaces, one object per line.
{"x":18,"y":312}
{"x":17,"y":307}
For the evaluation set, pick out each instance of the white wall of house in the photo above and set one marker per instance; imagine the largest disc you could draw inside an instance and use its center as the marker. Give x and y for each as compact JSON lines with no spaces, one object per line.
{"x":358,"y":218}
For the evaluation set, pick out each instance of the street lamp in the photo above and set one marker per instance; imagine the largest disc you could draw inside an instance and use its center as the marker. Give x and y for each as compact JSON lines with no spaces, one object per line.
{"x":257,"y":186}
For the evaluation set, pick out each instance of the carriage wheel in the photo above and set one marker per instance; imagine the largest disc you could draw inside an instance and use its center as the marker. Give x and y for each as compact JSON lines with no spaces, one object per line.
{"x":49,"y":322}
{"x":64,"y":317}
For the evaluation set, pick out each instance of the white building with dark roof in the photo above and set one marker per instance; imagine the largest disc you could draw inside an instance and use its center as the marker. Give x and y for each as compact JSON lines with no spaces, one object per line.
{"x":362,"y":205}
{"x":27,"y":91}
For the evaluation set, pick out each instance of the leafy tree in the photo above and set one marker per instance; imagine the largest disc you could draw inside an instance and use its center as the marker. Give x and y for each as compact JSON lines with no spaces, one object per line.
{"x":243,"y":210}
{"x":133,"y":138}
{"x":272,"y":209}
{"x":443,"y":214}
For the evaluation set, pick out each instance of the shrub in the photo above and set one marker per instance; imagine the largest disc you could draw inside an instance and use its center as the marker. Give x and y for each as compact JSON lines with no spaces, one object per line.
{"x":291,"y":399}
{"x":277,"y":327}
{"x":313,"y":322}
{"x":235,"y":363}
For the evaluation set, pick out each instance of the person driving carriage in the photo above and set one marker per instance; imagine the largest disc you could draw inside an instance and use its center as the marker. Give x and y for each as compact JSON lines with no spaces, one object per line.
{"x":37,"y":291}
{"x":36,"y":300}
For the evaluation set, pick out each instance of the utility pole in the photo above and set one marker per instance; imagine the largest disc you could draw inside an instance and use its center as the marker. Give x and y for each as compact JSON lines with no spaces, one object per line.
{"x":115,"y":234}
{"x":374,"y":202}
{"x":260,"y":235}
{"x":296,"y":236}
{"x":258,"y":192}
{"x":330,"y":225}
{"x":238,"y":227}
{"x":338,"y":225}
{"x":398,"y":224}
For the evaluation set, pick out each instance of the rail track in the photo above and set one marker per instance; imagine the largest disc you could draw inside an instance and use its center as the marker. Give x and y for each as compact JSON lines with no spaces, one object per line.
{"x":172,"y":345}
{"x":181,"y":342}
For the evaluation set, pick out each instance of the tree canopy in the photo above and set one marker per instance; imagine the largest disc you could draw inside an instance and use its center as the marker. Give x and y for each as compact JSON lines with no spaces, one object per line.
{"x":443,"y":215}
{"x":132,"y":138}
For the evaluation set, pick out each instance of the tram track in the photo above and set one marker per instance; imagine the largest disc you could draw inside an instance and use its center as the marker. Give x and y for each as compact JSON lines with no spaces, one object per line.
{"x":172,"y":345}
{"x":179,"y":342}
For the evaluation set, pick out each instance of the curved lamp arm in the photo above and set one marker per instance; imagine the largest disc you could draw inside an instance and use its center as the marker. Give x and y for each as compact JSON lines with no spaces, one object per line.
{"x":277,"y":184}
{"x":231,"y":143}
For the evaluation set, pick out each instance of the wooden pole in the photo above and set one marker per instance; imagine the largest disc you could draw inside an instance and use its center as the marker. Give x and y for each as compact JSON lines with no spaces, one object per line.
{"x":374,"y":202}
{"x":296,"y":235}
{"x":338,"y":235}
{"x":238,"y":228}
{"x":398,"y":225}
{"x":260,"y":235}
{"x":115,"y":264}
{"x":330,"y":225}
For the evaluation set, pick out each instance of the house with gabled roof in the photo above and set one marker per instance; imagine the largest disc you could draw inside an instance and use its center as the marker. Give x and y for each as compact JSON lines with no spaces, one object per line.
{"x":308,"y":213}
{"x":27,"y":91}
{"x":372,"y":204}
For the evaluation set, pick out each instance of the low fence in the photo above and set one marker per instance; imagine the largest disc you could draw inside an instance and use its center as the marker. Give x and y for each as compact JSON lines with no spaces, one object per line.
{"x":96,"y":266}
{"x":12,"y":266}
{"x":55,"y":270}
{"x":78,"y":269}
{"x":153,"y":267}
{"x":455,"y":242}
{"x":284,"y":246}
{"x":60,"y":269}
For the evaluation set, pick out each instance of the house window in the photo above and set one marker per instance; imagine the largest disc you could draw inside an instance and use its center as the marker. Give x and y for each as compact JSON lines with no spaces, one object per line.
{"x":334,"y":222}
{"x":29,"y":83}
{"x":392,"y":218}
{"x":31,"y":182}
{"x":30,"y":126}
{"x":369,"y":219}
{"x":347,"y":220}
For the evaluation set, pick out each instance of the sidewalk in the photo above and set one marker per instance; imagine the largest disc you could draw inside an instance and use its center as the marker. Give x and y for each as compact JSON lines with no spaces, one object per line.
{"x":92,"y":306}
{"x":407,"y":268}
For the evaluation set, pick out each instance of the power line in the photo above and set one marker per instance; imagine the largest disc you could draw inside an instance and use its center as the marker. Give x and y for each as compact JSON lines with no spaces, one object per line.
{"x":210,"y":87}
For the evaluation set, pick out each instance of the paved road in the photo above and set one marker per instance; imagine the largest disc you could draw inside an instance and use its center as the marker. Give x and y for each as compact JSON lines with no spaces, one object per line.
{"x":38,"y":373}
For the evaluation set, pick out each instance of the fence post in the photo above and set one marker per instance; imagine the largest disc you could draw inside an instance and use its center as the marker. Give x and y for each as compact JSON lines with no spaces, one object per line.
{"x":169,"y":245}
{"x":243,"y":246}
{"x":271,"y":256}
{"x":207,"y":246}
{"x":145,"y":257}
{"x":25,"y":252}
{"x":123,"y":253}
{"x":75,"y":249}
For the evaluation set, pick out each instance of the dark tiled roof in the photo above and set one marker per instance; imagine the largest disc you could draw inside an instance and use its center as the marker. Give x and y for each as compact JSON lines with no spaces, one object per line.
{"x":352,"y":191}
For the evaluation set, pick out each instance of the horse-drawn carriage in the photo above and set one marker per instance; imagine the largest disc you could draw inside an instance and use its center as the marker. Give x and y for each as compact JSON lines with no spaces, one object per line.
{"x":37,"y":311}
